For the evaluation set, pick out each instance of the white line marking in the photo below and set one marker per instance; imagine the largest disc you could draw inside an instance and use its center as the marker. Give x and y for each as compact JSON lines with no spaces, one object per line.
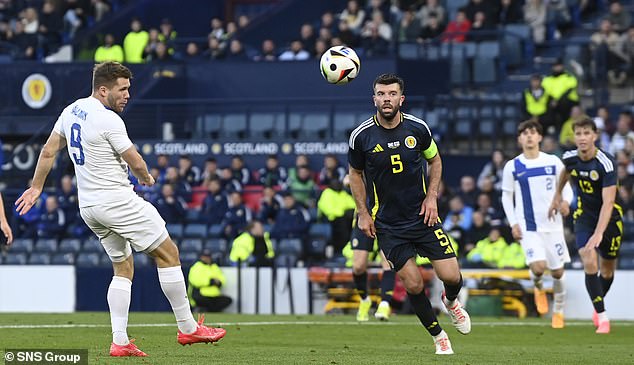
{"x":304,"y":323}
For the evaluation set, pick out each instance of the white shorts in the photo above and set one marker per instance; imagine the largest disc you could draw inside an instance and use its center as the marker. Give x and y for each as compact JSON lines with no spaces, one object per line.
{"x":124,"y":225}
{"x":546,"y":246}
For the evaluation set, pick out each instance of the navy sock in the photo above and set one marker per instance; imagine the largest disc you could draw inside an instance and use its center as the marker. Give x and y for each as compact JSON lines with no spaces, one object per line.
{"x":387,"y":285}
{"x":451,"y":291}
{"x":361,"y":283}
{"x":605,"y":283}
{"x":422,"y":308}
{"x":593,"y":285}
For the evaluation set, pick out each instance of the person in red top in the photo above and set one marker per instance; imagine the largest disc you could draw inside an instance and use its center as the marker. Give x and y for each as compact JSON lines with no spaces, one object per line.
{"x":457,"y":29}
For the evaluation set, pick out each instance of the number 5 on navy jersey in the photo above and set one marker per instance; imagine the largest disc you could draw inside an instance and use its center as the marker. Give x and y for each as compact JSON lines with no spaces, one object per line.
{"x":75,"y":142}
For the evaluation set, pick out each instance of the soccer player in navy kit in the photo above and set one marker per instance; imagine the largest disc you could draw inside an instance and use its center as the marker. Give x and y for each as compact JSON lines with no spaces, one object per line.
{"x":598,"y":223}
{"x":389,"y":148}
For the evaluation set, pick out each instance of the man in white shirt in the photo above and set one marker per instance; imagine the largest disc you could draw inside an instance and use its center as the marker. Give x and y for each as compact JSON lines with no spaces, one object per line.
{"x":101,"y":152}
{"x":531,"y":178}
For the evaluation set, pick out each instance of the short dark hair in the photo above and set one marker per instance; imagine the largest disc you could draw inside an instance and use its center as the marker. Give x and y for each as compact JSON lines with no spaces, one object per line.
{"x":583,"y":123}
{"x":389,"y":79}
{"x":107,"y":73}
{"x":530,"y":124}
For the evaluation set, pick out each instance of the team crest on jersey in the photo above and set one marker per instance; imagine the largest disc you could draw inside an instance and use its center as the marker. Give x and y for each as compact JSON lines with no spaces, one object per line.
{"x":549,"y":170}
{"x":410,"y":141}
{"x":594,"y":175}
{"x":393,"y":144}
{"x":355,"y":242}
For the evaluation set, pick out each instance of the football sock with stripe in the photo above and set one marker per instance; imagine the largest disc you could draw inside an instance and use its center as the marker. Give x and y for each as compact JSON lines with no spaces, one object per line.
{"x":559,"y":295}
{"x":606,"y":283}
{"x":387,"y":285}
{"x":361,"y":283}
{"x":452,"y":290}
{"x":422,"y":308}
{"x":119,"y":293}
{"x":593,"y":285}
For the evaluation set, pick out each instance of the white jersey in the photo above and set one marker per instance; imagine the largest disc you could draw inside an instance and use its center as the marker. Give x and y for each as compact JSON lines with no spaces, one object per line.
{"x":532,"y":183}
{"x":96,"y":137}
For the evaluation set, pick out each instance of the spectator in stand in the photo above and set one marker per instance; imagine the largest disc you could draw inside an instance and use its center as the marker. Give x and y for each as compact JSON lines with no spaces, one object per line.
{"x":270,"y":205}
{"x":50,"y":27}
{"x":410,"y":27}
{"x":626,"y":47}
{"x":623,"y":176}
{"x":326,"y":35}
{"x":172,"y":207}
{"x":488,"y":251}
{"x":624,"y":159}
{"x":237,"y":216}
{"x":25,"y":226}
{"x":67,"y":199}
{"x":53,"y":221}
{"x":134,"y":42}
{"x":481,"y":28}
{"x":167,"y":34}
{"x":625,"y":194}
{"x":292,"y":220}
{"x":181,"y":187}
{"x":205,"y":282}
{"x":337,"y":205}
{"x":149,"y":52}
{"x":431,"y":9}
{"x":457,"y":29}
{"x":381,"y":6}
{"x":603,"y":138}
{"x":535,"y":17}
{"x":243,"y":21}
{"x":328,"y":21}
{"x":236,"y":51}
{"x":229,"y":181}
{"x":26,"y":43}
{"x":557,"y":16}
{"x":550,"y":145}
{"x":354,"y":16}
{"x":493,"y":170}
{"x":332,"y":170}
{"x":302,"y":186}
{"x":431,"y":31}
{"x":479,"y":230}
{"x":475,"y":6}
{"x":459,"y":215}
{"x":253,"y":246}
{"x":607,"y":54}
{"x":307,"y":36}
{"x":187,"y":171}
{"x":620,"y":18}
{"x":268,"y":52}
{"x":444,"y":196}
{"x":162,"y":163}
{"x":296,"y":52}
{"x":231,"y":33}
{"x":149,"y":193}
{"x":109,"y":51}
{"x":214,"y":50}
{"x":215,"y":205}
{"x":535,"y":100}
{"x":510,"y":12}
{"x":491,"y":215}
{"x":300,"y":160}
{"x":320,"y":47}
{"x":30,"y":19}
{"x":347,"y":36}
{"x":211,"y":170}
{"x":561,"y":88}
{"x":192,"y":52}
{"x":468,"y":192}
{"x":217,"y":28}
{"x":161,"y":54}
{"x":623,"y":138}
{"x":272,"y":174}
{"x":239,"y":171}
{"x":567,"y":134}
{"x":376,"y":35}
{"x":100,"y":8}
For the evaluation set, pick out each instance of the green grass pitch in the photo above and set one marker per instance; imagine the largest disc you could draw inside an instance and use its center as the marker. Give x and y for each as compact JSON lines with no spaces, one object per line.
{"x":267,"y":339}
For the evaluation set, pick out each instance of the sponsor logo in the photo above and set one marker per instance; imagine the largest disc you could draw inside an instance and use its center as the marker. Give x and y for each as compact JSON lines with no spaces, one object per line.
{"x":377,"y":149}
{"x":393,"y":144}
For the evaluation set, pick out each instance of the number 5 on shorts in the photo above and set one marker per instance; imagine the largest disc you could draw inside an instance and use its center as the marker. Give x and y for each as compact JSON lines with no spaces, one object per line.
{"x":443,"y":239}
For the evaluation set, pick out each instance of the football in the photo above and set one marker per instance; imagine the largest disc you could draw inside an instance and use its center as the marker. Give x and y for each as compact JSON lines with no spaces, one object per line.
{"x":339,"y":65}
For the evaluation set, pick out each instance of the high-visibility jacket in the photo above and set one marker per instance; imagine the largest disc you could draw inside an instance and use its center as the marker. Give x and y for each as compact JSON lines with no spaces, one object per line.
{"x":113,"y":53}
{"x":334,"y":204}
{"x":488,"y":252}
{"x":557,"y":86}
{"x":200,"y":276}
{"x":512,"y":257}
{"x":133,"y":44}
{"x":244,"y":245}
{"x":535,"y":107}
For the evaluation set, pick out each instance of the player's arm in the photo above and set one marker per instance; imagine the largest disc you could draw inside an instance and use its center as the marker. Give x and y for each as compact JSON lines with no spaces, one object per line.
{"x":44,"y":165}
{"x":357,"y":186}
{"x":555,"y":206}
{"x":508,"y":190}
{"x":4,"y":224}
{"x":429,"y":208}
{"x":138,"y":166}
{"x":608,"y":194}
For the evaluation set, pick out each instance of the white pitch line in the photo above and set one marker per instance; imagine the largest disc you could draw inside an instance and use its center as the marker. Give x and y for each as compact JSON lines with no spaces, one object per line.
{"x":303,"y":323}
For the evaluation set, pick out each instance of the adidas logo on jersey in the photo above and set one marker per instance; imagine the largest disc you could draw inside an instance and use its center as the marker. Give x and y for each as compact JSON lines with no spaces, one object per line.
{"x":378,"y":148}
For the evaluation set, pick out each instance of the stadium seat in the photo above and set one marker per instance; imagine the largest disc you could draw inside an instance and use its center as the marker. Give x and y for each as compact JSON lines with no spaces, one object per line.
{"x":45,"y":245}
{"x":234,"y":126}
{"x":15,"y":258}
{"x":69,"y":245}
{"x":262,"y":125}
{"x":92,"y":245}
{"x":335,"y":262}
{"x":485,"y":62}
{"x":192,"y":216}
{"x":285,"y":260}
{"x":212,"y":124}
{"x":289,"y":246}
{"x":215,"y":230}
{"x":191,"y":245}
{"x":323,"y":230}
{"x":316,"y":125}
{"x":195,"y":230}
{"x":294,"y":126}
{"x":87,"y":259}
{"x":626,"y":263}
{"x":39,"y":258}
{"x":63,"y":259}
{"x":188,"y":258}
{"x":316,"y":247}
{"x":175,"y":230}
{"x":216,"y":245}
{"x":409,"y":51}
{"x":627,"y":248}
{"x":22,"y":245}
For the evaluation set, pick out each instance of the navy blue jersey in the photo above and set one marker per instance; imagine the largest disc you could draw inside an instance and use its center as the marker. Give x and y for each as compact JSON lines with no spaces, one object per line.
{"x":392,"y":160}
{"x":588,"y":179}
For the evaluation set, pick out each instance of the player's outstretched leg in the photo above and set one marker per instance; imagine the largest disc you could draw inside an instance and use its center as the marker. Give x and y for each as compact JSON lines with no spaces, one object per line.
{"x":559,"y":298}
{"x":387,"y":288}
{"x":459,"y":316}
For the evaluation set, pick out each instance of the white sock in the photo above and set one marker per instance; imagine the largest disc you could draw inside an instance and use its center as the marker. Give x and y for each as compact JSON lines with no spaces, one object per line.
{"x":603,"y":316}
{"x":559,"y":295}
{"x":537,"y":280}
{"x":118,"y":296}
{"x":173,"y":285}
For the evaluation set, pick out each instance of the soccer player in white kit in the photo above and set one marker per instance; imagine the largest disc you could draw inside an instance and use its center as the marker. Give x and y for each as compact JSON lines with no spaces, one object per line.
{"x":531,"y":178}
{"x":102,"y":153}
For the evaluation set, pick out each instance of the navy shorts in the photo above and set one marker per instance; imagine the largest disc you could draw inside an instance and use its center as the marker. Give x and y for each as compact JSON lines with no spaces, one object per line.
{"x":399,"y":245}
{"x":360,"y":241}
{"x":611,"y":243}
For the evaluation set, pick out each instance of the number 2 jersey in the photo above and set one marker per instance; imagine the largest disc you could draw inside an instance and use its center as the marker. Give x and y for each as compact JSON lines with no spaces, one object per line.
{"x":588,"y":179}
{"x":392,"y":160}
{"x":96,"y":137}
